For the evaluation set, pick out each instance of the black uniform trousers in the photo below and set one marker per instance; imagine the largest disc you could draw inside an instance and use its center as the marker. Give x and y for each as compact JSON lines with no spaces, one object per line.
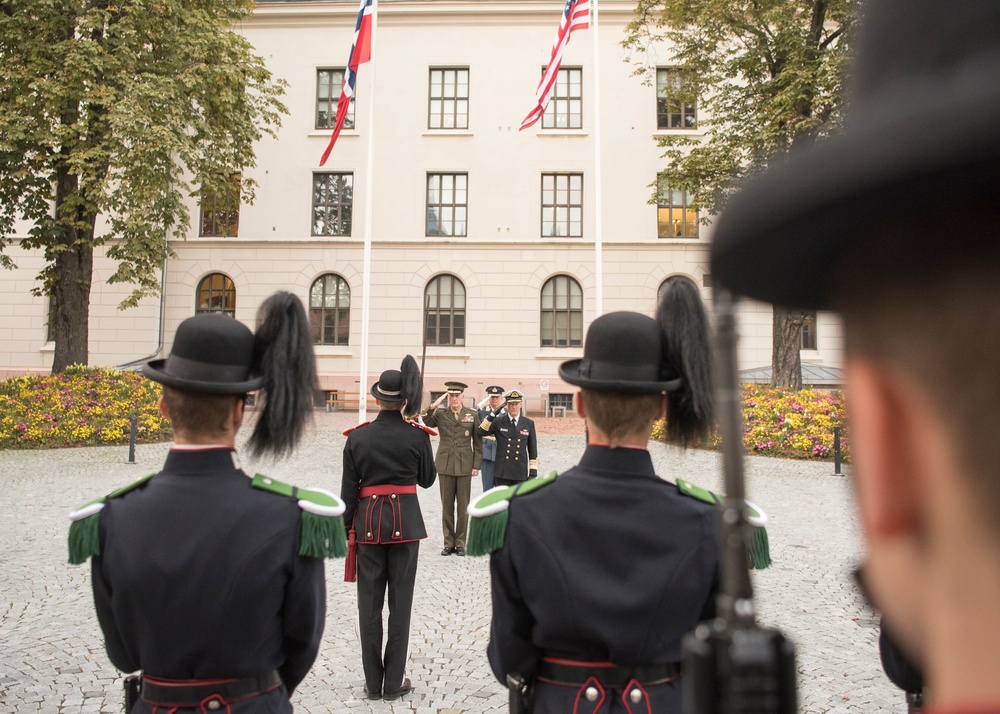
{"x":378,"y":566}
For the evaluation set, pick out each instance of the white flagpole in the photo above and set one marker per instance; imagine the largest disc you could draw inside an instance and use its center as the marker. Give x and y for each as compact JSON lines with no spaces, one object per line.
{"x":367,"y":268}
{"x":598,"y":241}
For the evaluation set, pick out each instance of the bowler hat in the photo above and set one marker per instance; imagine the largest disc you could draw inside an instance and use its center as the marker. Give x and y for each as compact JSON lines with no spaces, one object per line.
{"x":623,"y":352}
{"x":920,"y":130}
{"x":211,"y":354}
{"x":389,"y":387}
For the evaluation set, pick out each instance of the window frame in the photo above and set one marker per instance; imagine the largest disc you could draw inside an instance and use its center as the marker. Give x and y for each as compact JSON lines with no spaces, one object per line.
{"x":227,"y":290}
{"x":454,"y":208}
{"x":341,"y":312}
{"x":687,"y":221}
{"x":809,"y":336}
{"x":675,"y":79}
{"x":563,"y":105}
{"x":215,"y":210}
{"x":452,"y":311}
{"x":332,"y":100}
{"x":573,"y":315}
{"x":341,"y":206}
{"x":569,"y":207}
{"x":457,"y":101}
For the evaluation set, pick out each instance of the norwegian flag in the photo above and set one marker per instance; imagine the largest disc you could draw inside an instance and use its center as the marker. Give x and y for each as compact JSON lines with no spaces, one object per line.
{"x":361,"y":52}
{"x":576,"y":16}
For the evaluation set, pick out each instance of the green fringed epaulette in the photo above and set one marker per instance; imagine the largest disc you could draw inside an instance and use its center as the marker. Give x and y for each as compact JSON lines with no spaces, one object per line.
{"x":83,"y":528}
{"x":758,"y":548}
{"x":488,"y":514}
{"x":323,"y":534}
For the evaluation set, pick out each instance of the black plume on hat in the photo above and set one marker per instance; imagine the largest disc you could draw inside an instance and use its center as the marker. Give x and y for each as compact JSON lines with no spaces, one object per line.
{"x":401,"y":385}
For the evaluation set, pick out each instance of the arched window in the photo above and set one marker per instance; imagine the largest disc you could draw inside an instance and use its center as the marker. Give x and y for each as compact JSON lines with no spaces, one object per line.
{"x":216,"y":293}
{"x":666,"y":284}
{"x":330,"y":310}
{"x":562,"y":312}
{"x":444,"y":311}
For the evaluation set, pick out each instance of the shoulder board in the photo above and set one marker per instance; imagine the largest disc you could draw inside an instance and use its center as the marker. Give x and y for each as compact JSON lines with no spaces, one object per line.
{"x":426,"y":428}
{"x":83,"y":529}
{"x":323,"y":534}
{"x":488,"y":514}
{"x":758,"y":546}
{"x":349,"y":429}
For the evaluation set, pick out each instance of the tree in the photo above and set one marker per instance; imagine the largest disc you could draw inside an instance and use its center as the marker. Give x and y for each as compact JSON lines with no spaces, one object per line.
{"x":766,"y":76}
{"x":121,"y":109}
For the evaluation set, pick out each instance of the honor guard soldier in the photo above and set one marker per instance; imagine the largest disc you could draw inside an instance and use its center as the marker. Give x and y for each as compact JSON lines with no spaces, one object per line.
{"x":599,"y":572}
{"x":459,"y":456}
{"x":384,"y":462}
{"x":893,"y":224}
{"x":209,"y":580}
{"x":517,"y":447}
{"x":492,"y":403}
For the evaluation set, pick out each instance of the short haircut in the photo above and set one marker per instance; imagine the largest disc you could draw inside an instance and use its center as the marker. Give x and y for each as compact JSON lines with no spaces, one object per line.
{"x":620,"y":415}
{"x":920,"y":295}
{"x":396,"y":406}
{"x":206,"y":415}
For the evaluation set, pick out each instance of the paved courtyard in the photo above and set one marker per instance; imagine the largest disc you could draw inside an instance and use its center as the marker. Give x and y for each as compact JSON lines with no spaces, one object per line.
{"x":52,"y":657}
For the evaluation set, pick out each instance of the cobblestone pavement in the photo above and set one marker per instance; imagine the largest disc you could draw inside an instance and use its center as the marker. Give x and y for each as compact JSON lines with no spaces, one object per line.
{"x":52,"y":657}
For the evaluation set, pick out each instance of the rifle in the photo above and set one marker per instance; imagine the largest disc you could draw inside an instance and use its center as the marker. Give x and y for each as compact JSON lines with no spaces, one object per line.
{"x":733,"y":665}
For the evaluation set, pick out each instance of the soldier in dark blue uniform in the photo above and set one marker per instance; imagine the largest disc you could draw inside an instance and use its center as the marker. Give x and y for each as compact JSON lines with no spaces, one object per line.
{"x":517,"y":442}
{"x":207,"y":580}
{"x":600,"y":571}
{"x":384,"y":462}
{"x":494,"y":395}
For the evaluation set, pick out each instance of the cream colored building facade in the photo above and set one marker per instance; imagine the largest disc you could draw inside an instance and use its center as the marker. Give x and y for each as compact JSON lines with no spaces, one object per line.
{"x":505,"y":259}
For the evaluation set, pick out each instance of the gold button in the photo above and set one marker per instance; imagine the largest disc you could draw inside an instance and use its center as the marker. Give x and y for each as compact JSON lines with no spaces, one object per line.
{"x":397,"y":534}
{"x":369,"y":534}
{"x":591,"y":694}
{"x":374,"y":496}
{"x":392,"y":495}
{"x":635,"y":695}
{"x":214,"y":704}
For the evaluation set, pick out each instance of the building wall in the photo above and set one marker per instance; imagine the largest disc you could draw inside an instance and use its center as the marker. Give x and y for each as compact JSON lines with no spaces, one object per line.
{"x":503,"y":260}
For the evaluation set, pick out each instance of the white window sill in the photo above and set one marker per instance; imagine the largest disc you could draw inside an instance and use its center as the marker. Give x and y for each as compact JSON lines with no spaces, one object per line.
{"x":560,"y":353}
{"x":333,"y":351}
{"x":447,"y":132}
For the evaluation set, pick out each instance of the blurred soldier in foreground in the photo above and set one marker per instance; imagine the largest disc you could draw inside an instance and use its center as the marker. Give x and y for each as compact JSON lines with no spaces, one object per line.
{"x":384,"y":462}
{"x":893,"y":224}
{"x":494,"y":403}
{"x":599,"y":572}
{"x":459,"y":455}
{"x":208,"y":580}
{"x":517,"y":441}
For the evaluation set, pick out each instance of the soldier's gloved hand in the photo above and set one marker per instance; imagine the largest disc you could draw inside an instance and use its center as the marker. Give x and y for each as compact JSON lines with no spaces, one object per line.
{"x":532,"y":473}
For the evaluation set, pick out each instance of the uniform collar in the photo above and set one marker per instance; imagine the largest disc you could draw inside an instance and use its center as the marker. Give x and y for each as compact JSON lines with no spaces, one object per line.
{"x":604,"y":458}
{"x":222,"y":458}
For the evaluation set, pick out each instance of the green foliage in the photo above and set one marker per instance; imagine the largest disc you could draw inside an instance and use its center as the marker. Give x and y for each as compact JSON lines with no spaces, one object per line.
{"x":82,"y":406}
{"x":788,"y":424}
{"x":766,"y":75}
{"x":123,"y":108}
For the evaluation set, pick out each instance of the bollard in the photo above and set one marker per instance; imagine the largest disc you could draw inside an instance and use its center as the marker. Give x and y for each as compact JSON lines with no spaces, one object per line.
{"x":836,"y":452}
{"x":131,"y":438}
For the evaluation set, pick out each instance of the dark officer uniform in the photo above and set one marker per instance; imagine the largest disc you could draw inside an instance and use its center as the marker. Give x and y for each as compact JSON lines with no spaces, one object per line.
{"x":198,"y":553}
{"x":489,"y":443}
{"x":590,"y":572}
{"x":384,"y":462}
{"x":517,"y":447}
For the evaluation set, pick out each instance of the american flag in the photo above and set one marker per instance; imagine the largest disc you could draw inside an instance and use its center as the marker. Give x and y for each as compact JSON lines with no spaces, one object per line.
{"x":576,"y":16}
{"x":361,"y":52}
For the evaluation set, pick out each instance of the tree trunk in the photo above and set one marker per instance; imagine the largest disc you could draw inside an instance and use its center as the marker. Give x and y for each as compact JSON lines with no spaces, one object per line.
{"x":786,"y":368}
{"x":74,"y":267}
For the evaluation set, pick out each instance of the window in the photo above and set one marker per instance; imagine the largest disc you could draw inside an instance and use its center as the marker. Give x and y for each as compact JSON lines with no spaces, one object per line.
{"x":220,"y":210}
{"x":448,"y":102}
{"x":216,"y":293}
{"x":565,"y":110}
{"x":447,"y":204}
{"x":50,"y":319}
{"x":329,"y":83}
{"x":330,"y":310}
{"x":561,"y":400}
{"x":675,"y":101}
{"x":666,"y":284}
{"x":444,"y":311}
{"x":807,"y":334}
{"x":673,"y":217}
{"x":333,"y":201}
{"x":562,"y":205}
{"x":562,"y":312}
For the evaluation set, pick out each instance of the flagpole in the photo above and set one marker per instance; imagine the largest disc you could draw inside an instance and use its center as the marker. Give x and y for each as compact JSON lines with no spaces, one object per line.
{"x":598,"y":240}
{"x":367,"y":267}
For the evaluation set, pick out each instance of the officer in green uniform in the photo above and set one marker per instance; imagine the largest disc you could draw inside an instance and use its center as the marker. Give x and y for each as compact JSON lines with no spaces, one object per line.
{"x":459,"y":457}
{"x":209,"y":581}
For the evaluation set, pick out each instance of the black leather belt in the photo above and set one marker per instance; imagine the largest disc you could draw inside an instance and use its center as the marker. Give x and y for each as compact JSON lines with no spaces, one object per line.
{"x":193,"y":692}
{"x":608,"y":675}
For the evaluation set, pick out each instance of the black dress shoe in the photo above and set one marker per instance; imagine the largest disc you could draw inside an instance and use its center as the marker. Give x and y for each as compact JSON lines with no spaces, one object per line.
{"x":448,"y":551}
{"x":459,"y":550}
{"x":372,"y":694}
{"x":405,"y":689}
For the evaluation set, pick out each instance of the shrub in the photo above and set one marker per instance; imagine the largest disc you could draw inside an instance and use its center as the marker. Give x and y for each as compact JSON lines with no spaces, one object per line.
{"x":792,"y":425}
{"x":83,"y":406}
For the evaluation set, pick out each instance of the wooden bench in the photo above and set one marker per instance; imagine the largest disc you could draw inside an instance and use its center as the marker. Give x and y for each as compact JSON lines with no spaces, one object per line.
{"x":337,"y":400}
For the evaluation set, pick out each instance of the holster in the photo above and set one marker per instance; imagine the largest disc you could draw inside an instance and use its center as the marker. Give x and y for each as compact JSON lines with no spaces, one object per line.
{"x":132,"y":685}
{"x":521,"y":694}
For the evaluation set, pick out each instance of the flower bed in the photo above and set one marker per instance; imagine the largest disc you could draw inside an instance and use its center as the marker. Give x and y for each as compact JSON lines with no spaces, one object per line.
{"x":791,"y":425}
{"x":83,"y":406}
